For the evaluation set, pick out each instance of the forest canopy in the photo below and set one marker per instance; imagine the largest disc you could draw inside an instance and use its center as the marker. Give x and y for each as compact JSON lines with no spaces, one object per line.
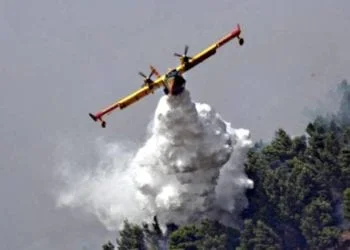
{"x":300,"y":200}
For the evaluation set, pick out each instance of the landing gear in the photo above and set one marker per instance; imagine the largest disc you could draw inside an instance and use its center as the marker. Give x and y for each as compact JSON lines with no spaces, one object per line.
{"x":103,"y":124}
{"x":166,"y":91}
{"x":241,"y":41}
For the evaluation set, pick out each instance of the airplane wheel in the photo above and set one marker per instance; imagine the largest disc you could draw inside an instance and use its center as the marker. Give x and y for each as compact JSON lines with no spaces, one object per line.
{"x":166,"y":91}
{"x":241,"y":41}
{"x":103,"y":124}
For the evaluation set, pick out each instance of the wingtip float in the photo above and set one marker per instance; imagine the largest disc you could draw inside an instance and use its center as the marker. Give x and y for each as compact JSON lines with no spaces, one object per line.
{"x":172,"y":81}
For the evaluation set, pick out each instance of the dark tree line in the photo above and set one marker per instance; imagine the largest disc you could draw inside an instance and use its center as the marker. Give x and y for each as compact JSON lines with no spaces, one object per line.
{"x":300,"y":199}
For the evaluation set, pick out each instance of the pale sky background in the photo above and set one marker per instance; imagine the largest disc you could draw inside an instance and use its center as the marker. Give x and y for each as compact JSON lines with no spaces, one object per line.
{"x":60,"y":60}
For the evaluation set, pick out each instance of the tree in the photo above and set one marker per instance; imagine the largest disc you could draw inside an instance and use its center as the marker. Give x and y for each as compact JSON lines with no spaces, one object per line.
{"x":108,"y":246}
{"x":298,"y":184}
{"x":257,"y":169}
{"x":346,"y":208}
{"x":280,"y":148}
{"x":206,"y":235}
{"x":154,"y":236}
{"x":299,"y":146}
{"x":259,"y":236}
{"x":344,"y":162}
{"x":317,"y":224}
{"x":344,"y":110}
{"x":131,"y":238}
{"x":317,"y":132}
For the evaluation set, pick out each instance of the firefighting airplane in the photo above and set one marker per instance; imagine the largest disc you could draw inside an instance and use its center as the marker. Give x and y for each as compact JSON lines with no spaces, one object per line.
{"x":172,"y":81}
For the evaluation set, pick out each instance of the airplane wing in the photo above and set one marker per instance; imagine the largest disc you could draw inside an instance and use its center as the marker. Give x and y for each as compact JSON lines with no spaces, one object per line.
{"x":142,"y":92}
{"x":209,"y":51}
{"x":128,"y":100}
{"x":150,"y":86}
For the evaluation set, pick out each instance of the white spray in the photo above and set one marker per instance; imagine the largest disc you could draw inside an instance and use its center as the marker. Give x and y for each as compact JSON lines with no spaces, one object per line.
{"x":190,"y":168}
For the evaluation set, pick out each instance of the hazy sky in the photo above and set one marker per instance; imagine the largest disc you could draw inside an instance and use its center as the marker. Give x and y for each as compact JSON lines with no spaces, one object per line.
{"x":60,"y":60}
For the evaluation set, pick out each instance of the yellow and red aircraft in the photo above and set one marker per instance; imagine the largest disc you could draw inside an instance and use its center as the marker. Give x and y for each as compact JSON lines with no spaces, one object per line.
{"x":172,"y":81}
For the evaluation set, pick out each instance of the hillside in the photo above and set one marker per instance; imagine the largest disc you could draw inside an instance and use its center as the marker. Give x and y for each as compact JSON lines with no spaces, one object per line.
{"x":300,"y":200}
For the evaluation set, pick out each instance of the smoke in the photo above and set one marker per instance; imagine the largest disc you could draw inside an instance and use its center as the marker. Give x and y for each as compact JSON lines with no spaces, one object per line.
{"x":330,"y":103}
{"x":344,"y":107}
{"x":190,"y":168}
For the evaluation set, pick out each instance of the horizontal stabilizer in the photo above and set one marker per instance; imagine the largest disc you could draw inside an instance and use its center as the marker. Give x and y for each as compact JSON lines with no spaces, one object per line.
{"x":93,"y":117}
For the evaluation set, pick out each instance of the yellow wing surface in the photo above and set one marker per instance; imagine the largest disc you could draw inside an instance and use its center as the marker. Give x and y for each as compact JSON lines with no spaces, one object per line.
{"x":140,"y":93}
{"x":160,"y":81}
{"x":130,"y":99}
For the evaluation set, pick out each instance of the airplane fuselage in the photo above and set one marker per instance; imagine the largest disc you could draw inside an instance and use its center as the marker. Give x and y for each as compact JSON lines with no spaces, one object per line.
{"x":174,"y":83}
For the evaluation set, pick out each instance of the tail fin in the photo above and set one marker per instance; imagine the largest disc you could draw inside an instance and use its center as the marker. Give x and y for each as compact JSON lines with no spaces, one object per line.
{"x":153,"y":69}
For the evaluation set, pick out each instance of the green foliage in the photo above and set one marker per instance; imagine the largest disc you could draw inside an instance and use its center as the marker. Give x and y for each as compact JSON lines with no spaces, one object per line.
{"x":131,"y":238}
{"x":344,"y":162}
{"x":317,"y":224}
{"x":153,"y":235}
{"x":108,"y":246}
{"x":206,"y":235}
{"x":344,"y":114}
{"x":346,"y":209}
{"x":299,"y":184}
{"x":280,"y":148}
{"x":259,"y":236}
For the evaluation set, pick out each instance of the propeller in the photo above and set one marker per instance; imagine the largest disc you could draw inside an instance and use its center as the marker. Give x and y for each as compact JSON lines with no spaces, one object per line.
{"x":147,"y":79}
{"x":184,"y":58}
